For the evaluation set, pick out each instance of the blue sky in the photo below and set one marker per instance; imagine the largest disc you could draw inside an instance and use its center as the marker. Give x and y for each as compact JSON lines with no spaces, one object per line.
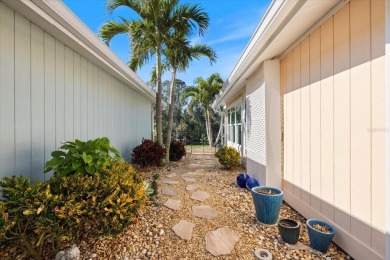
{"x":232,"y":23}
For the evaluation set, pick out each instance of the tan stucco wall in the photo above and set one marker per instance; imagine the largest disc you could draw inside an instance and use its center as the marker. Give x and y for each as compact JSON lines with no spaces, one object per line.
{"x":333,"y":88}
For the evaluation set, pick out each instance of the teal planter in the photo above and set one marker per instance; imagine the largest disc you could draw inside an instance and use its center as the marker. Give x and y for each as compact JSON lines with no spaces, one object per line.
{"x":289,"y":230}
{"x":319,"y":241}
{"x":267,"y":206}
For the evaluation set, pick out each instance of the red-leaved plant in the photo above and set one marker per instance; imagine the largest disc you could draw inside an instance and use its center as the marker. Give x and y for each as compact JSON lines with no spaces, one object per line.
{"x":148,"y":153}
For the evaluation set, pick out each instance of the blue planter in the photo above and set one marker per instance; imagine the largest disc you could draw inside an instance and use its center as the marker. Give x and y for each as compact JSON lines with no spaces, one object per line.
{"x":267,"y":206}
{"x":320,"y":241}
{"x":289,"y":230}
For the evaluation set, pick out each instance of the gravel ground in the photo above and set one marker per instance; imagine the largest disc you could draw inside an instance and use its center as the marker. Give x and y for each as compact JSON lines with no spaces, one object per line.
{"x":153,"y":238}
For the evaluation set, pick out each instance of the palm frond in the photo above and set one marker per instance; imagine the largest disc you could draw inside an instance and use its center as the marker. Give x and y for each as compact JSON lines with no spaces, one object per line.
{"x":113,"y":28}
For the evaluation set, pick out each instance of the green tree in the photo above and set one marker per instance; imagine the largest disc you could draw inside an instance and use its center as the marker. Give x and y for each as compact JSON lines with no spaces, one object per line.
{"x":158,"y":19}
{"x":178,"y":57}
{"x":204,"y":93}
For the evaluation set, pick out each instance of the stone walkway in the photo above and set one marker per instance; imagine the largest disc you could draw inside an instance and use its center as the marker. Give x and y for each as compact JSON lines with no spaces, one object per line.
{"x":189,"y":182}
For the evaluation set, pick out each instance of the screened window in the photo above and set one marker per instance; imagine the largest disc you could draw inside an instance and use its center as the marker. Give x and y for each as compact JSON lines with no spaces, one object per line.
{"x":234,"y":124}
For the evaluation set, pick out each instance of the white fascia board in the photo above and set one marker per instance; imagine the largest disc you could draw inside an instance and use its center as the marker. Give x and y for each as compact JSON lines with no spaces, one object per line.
{"x":56,"y":19}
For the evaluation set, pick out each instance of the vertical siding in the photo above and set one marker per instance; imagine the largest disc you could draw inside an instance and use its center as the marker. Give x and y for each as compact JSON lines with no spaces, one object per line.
{"x":22,"y":96}
{"x":342,"y":127}
{"x":50,"y":94}
{"x":7,"y":90}
{"x":334,"y":125}
{"x":37,"y":101}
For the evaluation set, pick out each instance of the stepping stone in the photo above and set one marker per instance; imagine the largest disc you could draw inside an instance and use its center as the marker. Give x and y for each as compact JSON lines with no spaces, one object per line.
{"x":200,"y":195}
{"x":199,"y":170}
{"x":167,"y":181}
{"x":192,"y":186}
{"x":195,"y":165}
{"x":189,"y":174}
{"x":188,"y":179}
{"x":221,"y":241}
{"x":205,"y":211}
{"x":183,"y":229}
{"x":172,"y":204}
{"x":171,"y":175}
{"x":168,"y":191}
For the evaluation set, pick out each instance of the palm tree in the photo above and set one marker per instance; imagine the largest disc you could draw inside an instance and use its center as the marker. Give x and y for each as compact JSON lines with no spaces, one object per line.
{"x":178,"y":56}
{"x":204,"y":93}
{"x":151,"y":32}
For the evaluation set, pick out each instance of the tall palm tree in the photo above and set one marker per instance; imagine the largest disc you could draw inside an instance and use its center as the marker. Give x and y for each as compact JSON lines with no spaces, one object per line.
{"x":204,"y":93}
{"x":178,"y":57}
{"x":151,"y":32}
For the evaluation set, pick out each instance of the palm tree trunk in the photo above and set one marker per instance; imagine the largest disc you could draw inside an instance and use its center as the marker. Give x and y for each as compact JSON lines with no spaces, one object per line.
{"x":220,"y":131}
{"x":209,"y":128}
{"x":159,"y":96}
{"x":170,"y":114}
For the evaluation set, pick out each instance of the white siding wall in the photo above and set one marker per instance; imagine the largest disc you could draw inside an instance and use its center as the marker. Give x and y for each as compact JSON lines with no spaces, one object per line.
{"x":255,"y":126}
{"x":50,"y":94}
{"x":333,"y":86}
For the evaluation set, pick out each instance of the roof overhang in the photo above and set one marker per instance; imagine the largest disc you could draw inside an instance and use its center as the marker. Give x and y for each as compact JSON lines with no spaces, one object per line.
{"x":284,"y":24}
{"x":56,"y":19}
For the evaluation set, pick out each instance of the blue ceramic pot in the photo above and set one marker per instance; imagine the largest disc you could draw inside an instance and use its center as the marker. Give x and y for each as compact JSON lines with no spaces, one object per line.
{"x":289,"y":230}
{"x":267,"y":206}
{"x":320,"y":241}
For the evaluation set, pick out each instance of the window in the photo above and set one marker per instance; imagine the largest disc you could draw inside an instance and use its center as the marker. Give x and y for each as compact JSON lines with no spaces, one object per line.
{"x":234,"y":125}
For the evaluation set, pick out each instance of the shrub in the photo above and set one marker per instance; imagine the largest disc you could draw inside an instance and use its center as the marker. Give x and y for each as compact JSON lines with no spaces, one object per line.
{"x":59,"y":209}
{"x":109,"y":200}
{"x":228,"y":157}
{"x":148,"y":153}
{"x":177,"y":151}
{"x":82,"y":157}
{"x":23,"y":213}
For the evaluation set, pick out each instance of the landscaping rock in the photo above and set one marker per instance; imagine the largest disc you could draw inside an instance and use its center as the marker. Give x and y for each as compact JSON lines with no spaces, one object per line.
{"x":167,"y":181}
{"x":200,"y":195}
{"x":169,"y":191}
{"x":205,"y":211}
{"x":192,"y":186}
{"x":221,"y":241}
{"x":183,"y":229}
{"x":72,"y":253}
{"x":172,"y":204}
{"x":187,"y":179}
{"x":189,"y":174}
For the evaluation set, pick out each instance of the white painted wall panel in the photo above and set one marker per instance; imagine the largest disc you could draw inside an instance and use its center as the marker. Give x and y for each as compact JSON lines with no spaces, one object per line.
{"x":7,"y":90}
{"x":37,"y":102}
{"x":22,"y":97}
{"x":341,"y":123}
{"x":50,"y":94}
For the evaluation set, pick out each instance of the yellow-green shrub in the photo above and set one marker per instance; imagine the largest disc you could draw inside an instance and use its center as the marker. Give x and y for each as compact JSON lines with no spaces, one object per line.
{"x":58,"y":209}
{"x":229,"y":157}
{"x":109,"y":200}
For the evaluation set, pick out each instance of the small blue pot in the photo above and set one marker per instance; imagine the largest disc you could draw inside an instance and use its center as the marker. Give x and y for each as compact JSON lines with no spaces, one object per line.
{"x":267,"y":206}
{"x":319,"y":241}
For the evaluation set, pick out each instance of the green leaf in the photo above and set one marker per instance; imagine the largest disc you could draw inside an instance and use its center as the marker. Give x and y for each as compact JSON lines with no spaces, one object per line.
{"x":76,"y":164}
{"x":54,"y":163}
{"x":58,"y":154}
{"x":90,"y":169}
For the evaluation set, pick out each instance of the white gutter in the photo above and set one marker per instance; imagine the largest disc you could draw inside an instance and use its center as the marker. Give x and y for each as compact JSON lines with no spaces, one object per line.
{"x":56,"y":19}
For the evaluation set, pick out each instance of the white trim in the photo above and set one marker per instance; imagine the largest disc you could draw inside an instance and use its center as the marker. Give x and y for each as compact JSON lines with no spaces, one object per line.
{"x":387,"y":13}
{"x":56,"y":19}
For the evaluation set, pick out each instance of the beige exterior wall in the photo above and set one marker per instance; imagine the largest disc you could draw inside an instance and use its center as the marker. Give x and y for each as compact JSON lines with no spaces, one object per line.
{"x":333,"y":87}
{"x":50,"y":94}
